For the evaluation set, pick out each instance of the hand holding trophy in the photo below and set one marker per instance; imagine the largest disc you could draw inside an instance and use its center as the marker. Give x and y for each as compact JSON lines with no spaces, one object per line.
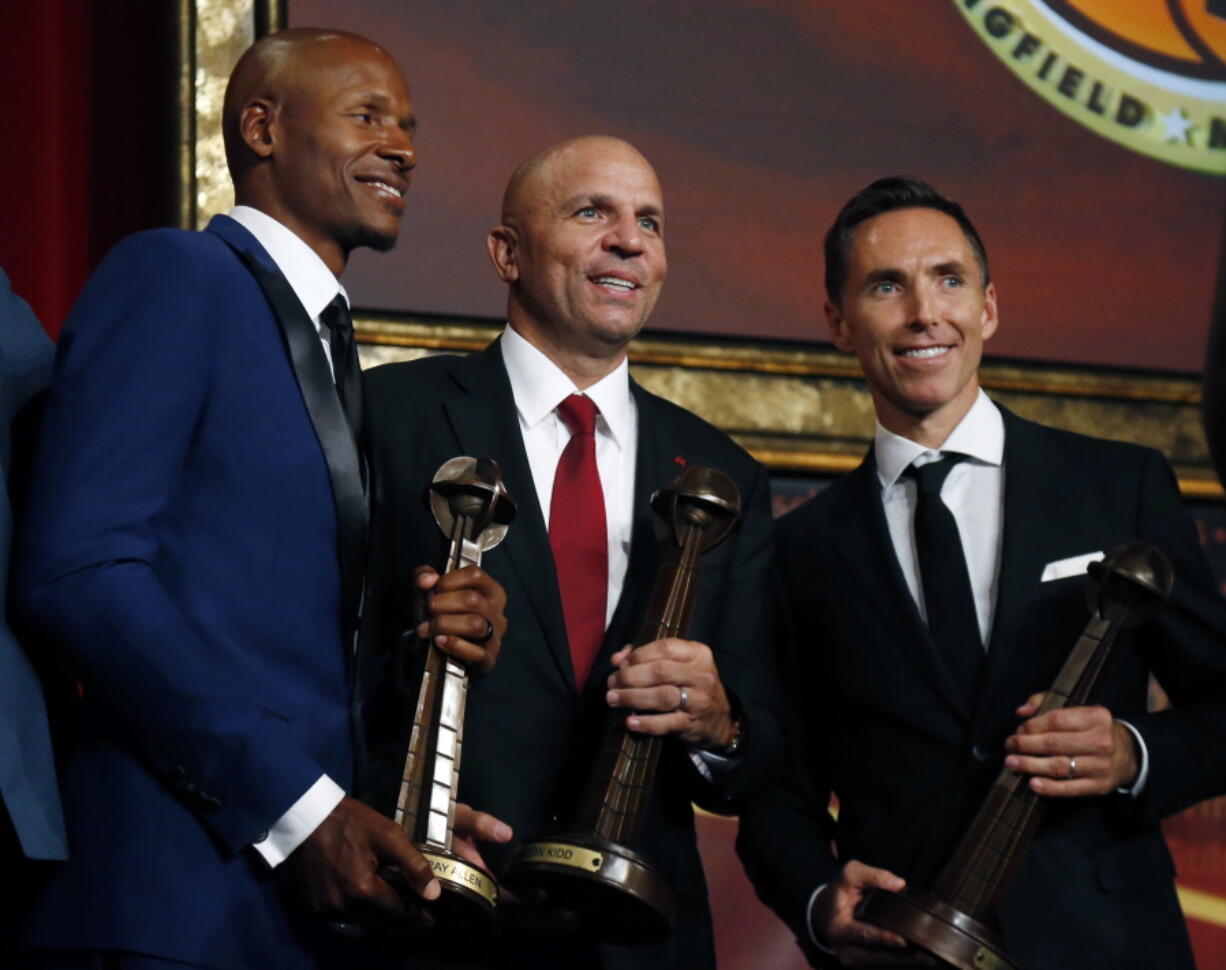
{"x":592,"y":868}
{"x":473,"y":509}
{"x":955,"y":920}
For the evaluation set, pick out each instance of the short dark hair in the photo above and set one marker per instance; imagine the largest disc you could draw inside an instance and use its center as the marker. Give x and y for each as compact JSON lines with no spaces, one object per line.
{"x":886,"y":195}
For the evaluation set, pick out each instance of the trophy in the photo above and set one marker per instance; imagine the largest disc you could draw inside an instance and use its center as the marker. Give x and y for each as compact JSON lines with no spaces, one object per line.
{"x":956,"y":920}
{"x":472,"y":507}
{"x":591,"y":867}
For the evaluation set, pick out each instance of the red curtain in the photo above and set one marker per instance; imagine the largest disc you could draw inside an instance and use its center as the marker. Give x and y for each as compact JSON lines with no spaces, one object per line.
{"x":44,"y":163}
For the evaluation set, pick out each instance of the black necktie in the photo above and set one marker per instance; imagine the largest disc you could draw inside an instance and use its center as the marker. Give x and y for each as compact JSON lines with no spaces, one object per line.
{"x":337,"y":323}
{"x":948,"y":599}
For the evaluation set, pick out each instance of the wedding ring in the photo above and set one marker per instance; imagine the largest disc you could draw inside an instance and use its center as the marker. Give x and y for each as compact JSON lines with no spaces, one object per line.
{"x":685,"y":699}
{"x":1072,"y":767}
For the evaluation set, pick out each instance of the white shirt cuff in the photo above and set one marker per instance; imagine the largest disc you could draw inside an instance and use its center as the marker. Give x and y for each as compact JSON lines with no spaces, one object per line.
{"x":713,"y":766}
{"x":825,"y":948}
{"x":1137,"y":786}
{"x":303,"y":818}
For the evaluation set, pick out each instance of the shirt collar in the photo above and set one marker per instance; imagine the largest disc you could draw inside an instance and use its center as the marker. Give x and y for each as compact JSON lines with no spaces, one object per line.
{"x":980,"y":434}
{"x":539,"y":385}
{"x":307,"y":274}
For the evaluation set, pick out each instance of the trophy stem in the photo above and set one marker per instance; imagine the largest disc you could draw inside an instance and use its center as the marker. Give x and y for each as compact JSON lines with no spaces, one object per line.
{"x":473,"y":509}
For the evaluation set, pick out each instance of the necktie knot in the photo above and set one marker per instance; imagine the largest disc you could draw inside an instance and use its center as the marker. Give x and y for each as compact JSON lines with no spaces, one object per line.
{"x":930,"y":477}
{"x":335,"y":316}
{"x":578,"y":412}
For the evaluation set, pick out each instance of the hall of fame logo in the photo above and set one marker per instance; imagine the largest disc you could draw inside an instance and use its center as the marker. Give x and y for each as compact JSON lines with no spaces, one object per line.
{"x":1148,"y":74}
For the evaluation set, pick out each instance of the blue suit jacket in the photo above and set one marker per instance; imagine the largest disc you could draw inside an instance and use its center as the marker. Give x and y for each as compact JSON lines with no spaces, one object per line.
{"x":184,"y":545}
{"x":27,"y":771}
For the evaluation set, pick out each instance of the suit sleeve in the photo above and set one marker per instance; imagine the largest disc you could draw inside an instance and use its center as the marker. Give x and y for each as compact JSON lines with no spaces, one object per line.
{"x":784,"y":839}
{"x":131,"y":384}
{"x":744,"y":638}
{"x":1186,"y":649}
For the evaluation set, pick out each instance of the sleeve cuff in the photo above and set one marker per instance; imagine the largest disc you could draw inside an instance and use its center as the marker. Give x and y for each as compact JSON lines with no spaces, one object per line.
{"x":1137,"y":786}
{"x":820,"y":944}
{"x":303,"y":818}
{"x":712,"y":766}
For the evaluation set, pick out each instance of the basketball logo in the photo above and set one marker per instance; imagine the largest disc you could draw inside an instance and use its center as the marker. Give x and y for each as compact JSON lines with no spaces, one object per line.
{"x":1148,"y":74}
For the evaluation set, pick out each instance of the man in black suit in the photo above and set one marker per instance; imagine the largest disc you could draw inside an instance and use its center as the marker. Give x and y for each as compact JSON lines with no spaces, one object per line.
{"x":581,"y":248}
{"x":899,"y":710}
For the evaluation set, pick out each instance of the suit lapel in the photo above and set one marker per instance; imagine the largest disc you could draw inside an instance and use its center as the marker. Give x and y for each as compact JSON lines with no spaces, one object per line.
{"x":1032,"y":498}
{"x":862,"y":539}
{"x":483,"y":416}
{"x":323,"y":406}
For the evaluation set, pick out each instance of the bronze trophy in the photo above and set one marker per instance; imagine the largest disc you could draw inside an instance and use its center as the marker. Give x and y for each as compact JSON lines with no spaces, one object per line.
{"x":591,"y":867}
{"x":956,"y":920}
{"x":472,"y":507}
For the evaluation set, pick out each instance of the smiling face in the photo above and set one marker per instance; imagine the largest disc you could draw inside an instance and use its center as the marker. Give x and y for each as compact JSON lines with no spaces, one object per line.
{"x":915,"y":312}
{"x":582,"y":247}
{"x":335,"y":148}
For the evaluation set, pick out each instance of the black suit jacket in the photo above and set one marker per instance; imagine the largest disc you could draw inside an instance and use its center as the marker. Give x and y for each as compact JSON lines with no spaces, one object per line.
{"x":879,"y":723}
{"x":530,"y":733}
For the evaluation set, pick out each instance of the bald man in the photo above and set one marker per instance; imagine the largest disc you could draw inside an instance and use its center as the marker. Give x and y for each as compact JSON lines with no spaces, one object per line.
{"x":581,"y":249}
{"x":197,"y":544}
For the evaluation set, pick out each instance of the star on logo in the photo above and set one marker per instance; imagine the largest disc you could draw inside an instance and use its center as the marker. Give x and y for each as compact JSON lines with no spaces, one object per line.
{"x":1175,"y":125}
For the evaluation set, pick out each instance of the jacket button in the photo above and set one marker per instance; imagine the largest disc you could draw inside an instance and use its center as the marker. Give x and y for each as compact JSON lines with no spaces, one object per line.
{"x":980,"y":753}
{"x":209,"y":805}
{"x":262,"y":837}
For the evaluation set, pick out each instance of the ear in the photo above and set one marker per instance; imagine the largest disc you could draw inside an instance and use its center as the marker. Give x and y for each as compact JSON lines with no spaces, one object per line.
{"x":502,"y":242}
{"x":840,"y":332}
{"x":255,"y":126}
{"x":990,"y":318}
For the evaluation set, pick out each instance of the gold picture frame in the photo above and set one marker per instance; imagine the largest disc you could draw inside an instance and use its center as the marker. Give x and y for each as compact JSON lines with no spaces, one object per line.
{"x":797,"y":407}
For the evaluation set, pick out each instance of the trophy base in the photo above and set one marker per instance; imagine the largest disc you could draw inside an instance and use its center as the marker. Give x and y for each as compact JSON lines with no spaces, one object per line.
{"x":617,"y":896}
{"x":937,"y":927}
{"x":468,"y":903}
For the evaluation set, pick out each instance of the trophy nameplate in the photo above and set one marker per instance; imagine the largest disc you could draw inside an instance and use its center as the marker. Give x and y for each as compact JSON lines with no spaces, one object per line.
{"x":591,"y":868}
{"x":955,"y":921}
{"x":472,"y":508}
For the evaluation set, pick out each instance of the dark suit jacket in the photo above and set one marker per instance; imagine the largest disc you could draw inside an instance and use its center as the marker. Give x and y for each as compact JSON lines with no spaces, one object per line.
{"x":184,"y":544}
{"x":880,"y":725}
{"x":27,"y":785}
{"x":530,"y":735}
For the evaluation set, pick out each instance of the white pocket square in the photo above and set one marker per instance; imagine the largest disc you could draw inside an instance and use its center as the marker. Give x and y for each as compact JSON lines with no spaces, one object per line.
{"x":1072,"y":566}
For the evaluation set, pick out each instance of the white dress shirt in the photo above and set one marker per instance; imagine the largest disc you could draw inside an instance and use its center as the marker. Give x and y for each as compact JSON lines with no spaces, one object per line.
{"x":315,"y":287}
{"x":973,"y":492}
{"x":539,"y":386}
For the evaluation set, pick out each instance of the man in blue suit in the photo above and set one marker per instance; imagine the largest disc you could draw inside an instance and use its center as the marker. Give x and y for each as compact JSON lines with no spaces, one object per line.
{"x":31,"y":823}
{"x":197,"y":541}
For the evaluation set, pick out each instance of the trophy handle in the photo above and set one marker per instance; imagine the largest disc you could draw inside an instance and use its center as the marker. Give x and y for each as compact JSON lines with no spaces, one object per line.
{"x":473,"y":509}
{"x":955,"y":920}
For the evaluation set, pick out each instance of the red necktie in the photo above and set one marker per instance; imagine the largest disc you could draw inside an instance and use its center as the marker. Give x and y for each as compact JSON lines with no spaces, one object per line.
{"x":579,"y":537}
